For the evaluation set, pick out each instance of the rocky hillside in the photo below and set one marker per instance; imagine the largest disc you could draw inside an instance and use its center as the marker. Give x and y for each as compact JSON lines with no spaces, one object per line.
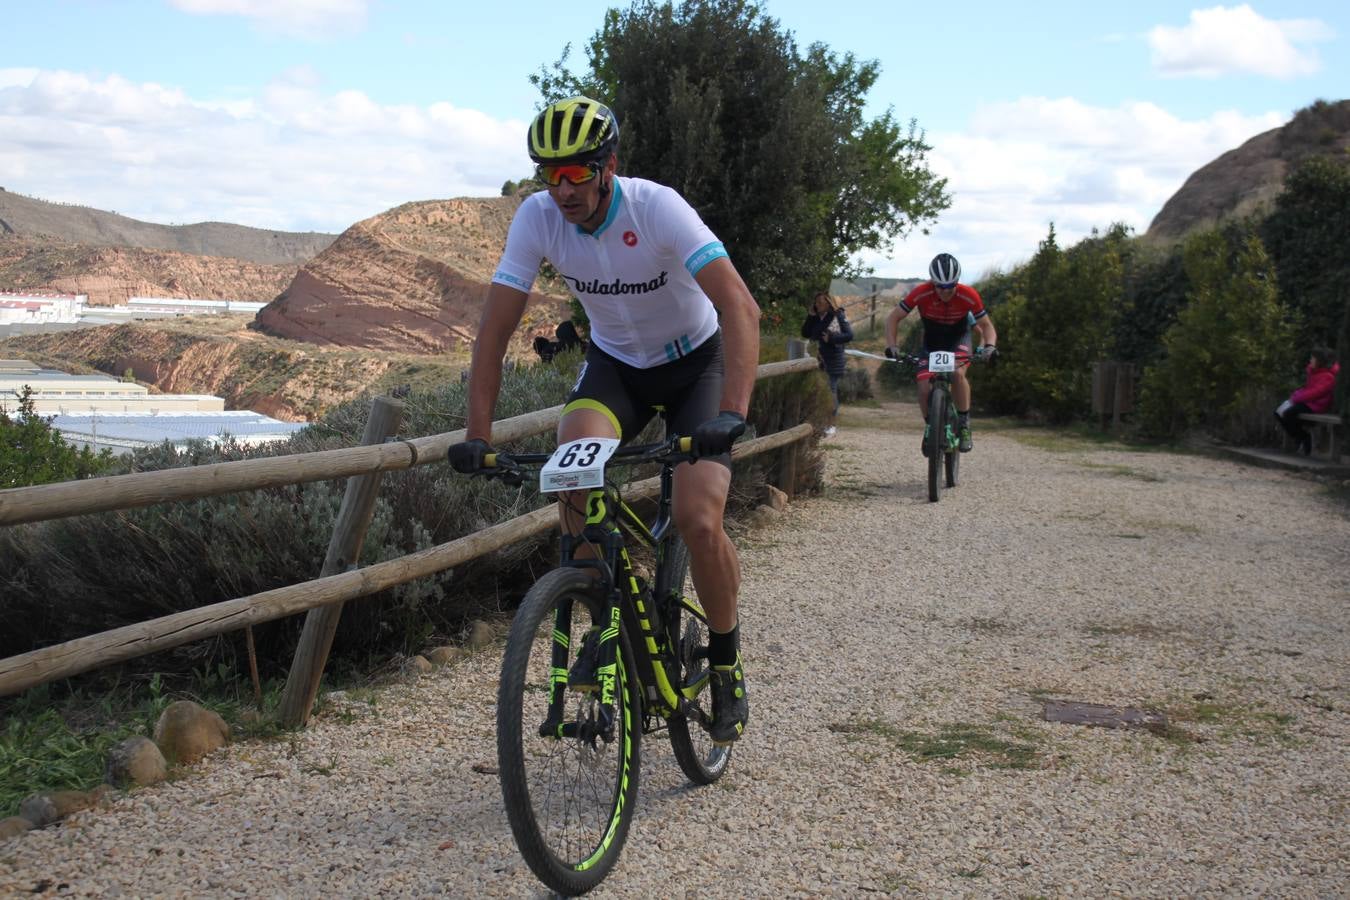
{"x":220,"y":355}
{"x":111,"y":275}
{"x":411,"y":279}
{"x":63,"y":222}
{"x":1252,"y":175}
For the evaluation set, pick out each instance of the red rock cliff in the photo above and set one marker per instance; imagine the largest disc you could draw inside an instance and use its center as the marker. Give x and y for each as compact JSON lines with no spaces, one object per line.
{"x":410,"y":280}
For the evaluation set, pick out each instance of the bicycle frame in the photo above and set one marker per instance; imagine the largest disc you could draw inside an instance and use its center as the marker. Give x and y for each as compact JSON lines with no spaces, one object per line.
{"x":629,"y":603}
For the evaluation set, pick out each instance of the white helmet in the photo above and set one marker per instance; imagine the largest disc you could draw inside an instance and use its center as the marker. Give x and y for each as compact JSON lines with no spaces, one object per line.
{"x":944,"y":270}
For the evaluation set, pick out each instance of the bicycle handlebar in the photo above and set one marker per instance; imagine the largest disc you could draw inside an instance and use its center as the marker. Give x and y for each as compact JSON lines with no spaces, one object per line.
{"x":511,"y":467}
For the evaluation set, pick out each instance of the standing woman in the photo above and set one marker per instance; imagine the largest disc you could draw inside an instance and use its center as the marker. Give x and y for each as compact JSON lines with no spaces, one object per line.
{"x":827,"y":325}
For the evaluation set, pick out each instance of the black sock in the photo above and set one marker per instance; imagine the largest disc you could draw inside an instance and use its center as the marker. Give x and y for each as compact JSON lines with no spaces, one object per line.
{"x":722,"y":646}
{"x":963,"y":418}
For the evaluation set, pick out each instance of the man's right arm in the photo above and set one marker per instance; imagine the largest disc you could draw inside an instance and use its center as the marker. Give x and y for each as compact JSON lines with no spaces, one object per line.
{"x":893,"y":324}
{"x":501,"y":315}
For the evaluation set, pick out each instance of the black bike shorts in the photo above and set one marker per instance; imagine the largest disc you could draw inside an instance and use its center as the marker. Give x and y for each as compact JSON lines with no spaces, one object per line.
{"x":687,"y":392}
{"x":958,"y":342}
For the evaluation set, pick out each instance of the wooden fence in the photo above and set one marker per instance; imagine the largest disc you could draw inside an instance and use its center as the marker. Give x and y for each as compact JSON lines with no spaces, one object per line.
{"x":339,"y":580}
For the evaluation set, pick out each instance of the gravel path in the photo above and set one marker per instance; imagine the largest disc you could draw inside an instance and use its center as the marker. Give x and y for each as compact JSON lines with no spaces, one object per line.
{"x":875,"y":623}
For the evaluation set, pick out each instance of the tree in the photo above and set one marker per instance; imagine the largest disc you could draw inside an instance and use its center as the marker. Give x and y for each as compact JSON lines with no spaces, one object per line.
{"x":769,"y":145}
{"x":1230,"y":346}
{"x":1057,"y":319}
{"x":1306,"y":237}
{"x":32,"y":452}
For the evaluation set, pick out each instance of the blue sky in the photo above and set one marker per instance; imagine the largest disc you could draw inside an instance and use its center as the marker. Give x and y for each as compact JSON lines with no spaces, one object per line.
{"x":315,"y":114}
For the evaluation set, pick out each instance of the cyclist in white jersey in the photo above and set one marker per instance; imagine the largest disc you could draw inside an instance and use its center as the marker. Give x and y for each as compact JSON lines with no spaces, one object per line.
{"x":654,"y":281}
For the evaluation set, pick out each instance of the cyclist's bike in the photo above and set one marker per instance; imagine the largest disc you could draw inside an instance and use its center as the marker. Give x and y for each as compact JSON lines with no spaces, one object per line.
{"x":594,"y":660}
{"x":942,"y":437}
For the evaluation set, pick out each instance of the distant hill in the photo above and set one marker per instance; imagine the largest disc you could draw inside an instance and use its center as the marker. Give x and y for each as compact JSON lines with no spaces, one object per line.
{"x":112,"y":275}
{"x":28,"y":217}
{"x":411,"y":279}
{"x":1251,"y":176}
{"x":863,"y":286}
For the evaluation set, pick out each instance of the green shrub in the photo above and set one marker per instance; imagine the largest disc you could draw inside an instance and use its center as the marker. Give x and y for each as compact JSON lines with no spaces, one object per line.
{"x":31,"y":452}
{"x":1227,"y":350}
{"x":854,"y":385}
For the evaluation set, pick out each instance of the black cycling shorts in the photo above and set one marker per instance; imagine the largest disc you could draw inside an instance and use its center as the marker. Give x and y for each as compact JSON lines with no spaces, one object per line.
{"x":687,"y":392}
{"x":958,"y":342}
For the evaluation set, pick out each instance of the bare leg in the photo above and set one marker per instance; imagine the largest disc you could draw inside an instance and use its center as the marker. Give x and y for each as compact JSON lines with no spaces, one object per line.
{"x":700,"y":498}
{"x":577,"y":424}
{"x":961,"y":390}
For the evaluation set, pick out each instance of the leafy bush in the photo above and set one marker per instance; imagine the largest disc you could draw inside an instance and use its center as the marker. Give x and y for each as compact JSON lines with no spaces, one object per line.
{"x":854,"y":385}
{"x":1227,"y":350}
{"x":32,"y":452}
{"x":1306,"y":238}
{"x":1056,"y":321}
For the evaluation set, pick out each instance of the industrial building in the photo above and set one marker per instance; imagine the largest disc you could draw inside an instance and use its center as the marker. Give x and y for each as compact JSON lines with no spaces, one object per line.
{"x":99,"y":411}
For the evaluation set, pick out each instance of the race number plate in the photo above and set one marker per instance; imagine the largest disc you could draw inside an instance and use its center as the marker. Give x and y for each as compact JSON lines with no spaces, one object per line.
{"x":577,"y":465}
{"x":942,"y":361}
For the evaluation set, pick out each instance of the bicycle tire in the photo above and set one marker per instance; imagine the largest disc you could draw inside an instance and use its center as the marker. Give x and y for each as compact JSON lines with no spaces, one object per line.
{"x":952,"y":458}
{"x":570,"y":801}
{"x":937,"y":440}
{"x":702,"y":761}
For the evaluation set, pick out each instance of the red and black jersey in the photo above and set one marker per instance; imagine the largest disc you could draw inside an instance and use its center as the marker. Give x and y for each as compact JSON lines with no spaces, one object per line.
{"x":945,"y":323}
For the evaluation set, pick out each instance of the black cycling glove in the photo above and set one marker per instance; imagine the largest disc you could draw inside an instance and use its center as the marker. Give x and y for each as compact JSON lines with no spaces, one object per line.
{"x":467,"y":456}
{"x":715,"y":436}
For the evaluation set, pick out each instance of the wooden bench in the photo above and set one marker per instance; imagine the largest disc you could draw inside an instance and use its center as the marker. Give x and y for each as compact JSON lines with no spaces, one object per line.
{"x":1324,"y":429}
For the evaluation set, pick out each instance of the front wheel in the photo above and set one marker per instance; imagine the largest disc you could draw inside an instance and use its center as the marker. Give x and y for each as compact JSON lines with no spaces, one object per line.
{"x":702,"y":761}
{"x":937,"y":440}
{"x":568,"y":763}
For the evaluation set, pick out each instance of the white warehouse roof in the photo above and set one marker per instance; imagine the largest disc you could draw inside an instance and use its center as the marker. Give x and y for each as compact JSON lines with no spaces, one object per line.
{"x":123,"y":433}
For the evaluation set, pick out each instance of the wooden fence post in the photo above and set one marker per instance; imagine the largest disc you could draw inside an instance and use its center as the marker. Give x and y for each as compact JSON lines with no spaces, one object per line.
{"x":349,"y":533}
{"x":789,"y":456}
{"x":872,"y":322}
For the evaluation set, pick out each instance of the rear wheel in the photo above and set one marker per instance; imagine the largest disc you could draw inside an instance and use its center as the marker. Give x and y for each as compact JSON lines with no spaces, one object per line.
{"x":702,"y":761}
{"x":937,"y":440}
{"x":570,"y":786}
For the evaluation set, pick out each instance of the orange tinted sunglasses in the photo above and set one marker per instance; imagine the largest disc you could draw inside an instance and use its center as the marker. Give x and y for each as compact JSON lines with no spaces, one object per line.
{"x":577,"y":174}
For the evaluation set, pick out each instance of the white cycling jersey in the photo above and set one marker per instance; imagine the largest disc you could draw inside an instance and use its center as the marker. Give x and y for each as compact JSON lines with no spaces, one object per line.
{"x":634,"y":276}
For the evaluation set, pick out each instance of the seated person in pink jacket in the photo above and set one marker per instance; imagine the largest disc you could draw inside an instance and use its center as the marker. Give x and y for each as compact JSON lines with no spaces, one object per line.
{"x":1313,"y":397}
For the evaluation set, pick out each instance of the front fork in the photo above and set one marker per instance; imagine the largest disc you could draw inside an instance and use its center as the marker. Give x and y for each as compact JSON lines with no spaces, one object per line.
{"x":595,"y":717}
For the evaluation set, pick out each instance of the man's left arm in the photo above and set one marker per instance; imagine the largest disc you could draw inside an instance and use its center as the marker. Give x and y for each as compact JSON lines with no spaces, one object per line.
{"x":740,"y":330}
{"x":985,"y":326}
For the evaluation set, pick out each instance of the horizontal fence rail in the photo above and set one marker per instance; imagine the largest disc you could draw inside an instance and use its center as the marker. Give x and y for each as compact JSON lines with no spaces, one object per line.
{"x":18,"y":673}
{"x":45,"y":502}
{"x":91,"y":495}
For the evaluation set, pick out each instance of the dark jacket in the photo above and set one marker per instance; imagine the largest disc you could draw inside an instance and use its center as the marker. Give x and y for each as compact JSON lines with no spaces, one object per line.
{"x":832,"y":351}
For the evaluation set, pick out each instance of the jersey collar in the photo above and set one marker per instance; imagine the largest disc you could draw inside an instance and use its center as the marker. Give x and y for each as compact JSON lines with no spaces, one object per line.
{"x":610,"y":216}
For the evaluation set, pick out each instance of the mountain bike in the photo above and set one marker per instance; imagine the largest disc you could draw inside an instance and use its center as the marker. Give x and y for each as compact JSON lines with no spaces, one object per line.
{"x":594,"y":660}
{"x":943,"y":433}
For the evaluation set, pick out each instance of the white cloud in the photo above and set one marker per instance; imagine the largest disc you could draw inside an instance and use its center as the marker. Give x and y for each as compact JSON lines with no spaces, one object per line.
{"x":298,"y":156}
{"x":1020,"y":166}
{"x":294,"y":157}
{"x":1228,"y":40}
{"x":298,"y":18}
